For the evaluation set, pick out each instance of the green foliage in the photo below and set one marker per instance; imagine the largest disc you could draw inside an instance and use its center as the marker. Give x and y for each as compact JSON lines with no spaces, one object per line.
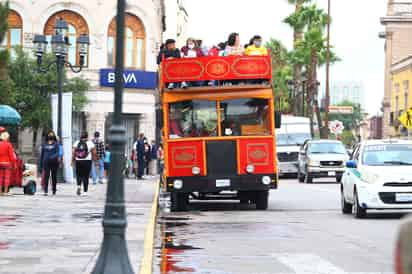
{"x":4,"y":11}
{"x":350,"y":121}
{"x":347,"y":138}
{"x":31,"y":91}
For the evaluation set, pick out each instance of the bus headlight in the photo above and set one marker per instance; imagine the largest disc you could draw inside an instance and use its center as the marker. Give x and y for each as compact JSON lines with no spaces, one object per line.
{"x":266,"y":180}
{"x":250,"y":169}
{"x":196,"y":170}
{"x":178,"y":184}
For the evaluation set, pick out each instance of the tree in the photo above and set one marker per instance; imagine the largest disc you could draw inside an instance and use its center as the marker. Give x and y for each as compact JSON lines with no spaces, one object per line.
{"x":32,"y":91}
{"x":350,"y":121}
{"x":4,"y":12}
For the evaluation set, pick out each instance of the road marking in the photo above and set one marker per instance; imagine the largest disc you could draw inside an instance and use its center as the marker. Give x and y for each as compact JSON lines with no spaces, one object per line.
{"x":305,"y":263}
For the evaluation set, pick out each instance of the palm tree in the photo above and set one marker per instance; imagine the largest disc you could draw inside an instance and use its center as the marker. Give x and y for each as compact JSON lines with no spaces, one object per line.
{"x":4,"y":12}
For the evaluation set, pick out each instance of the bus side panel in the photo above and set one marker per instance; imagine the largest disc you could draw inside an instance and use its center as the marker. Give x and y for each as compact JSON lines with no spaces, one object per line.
{"x":183,"y":156}
{"x":259,"y":153}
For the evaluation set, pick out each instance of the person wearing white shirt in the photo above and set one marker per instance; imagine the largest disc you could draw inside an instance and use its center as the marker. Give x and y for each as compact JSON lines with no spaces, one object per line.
{"x":84,"y":152}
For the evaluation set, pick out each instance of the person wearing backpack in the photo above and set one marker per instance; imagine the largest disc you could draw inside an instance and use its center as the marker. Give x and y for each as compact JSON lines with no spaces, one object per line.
{"x":98,"y":163}
{"x":84,"y":152}
{"x":50,"y":159}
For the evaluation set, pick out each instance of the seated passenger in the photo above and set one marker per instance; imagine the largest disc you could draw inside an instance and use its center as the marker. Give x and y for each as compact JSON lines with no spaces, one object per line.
{"x":169,"y":51}
{"x":191,"y":50}
{"x":256,"y":48}
{"x":233,"y":46}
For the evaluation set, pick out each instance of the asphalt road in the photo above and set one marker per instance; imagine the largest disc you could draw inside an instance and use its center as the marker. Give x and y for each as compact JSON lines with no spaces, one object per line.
{"x":303,"y":232}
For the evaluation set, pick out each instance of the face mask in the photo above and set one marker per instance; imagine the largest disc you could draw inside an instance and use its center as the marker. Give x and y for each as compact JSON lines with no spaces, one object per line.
{"x":191,"y":46}
{"x":258,"y":44}
{"x":50,"y":138}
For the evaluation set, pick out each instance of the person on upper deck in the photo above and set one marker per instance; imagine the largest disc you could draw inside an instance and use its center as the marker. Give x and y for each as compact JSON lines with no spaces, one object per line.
{"x":256,"y":48}
{"x":191,"y":50}
{"x":169,"y":51}
{"x":233,"y":46}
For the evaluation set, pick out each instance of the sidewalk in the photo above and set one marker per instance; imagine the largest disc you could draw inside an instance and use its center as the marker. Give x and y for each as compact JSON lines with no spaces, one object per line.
{"x":62,"y":234}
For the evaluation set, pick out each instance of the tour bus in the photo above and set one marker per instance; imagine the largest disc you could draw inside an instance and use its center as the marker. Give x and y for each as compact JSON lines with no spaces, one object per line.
{"x":219,"y":132}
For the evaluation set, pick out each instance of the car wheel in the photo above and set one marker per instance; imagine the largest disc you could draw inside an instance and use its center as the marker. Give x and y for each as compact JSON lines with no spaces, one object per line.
{"x":301,"y":177}
{"x":358,"y":211}
{"x":346,"y":207}
{"x":262,"y":200}
{"x":308,"y":178}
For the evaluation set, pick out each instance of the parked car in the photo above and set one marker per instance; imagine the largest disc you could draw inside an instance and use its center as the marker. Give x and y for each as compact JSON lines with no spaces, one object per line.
{"x":321,"y":159}
{"x":378,"y":176}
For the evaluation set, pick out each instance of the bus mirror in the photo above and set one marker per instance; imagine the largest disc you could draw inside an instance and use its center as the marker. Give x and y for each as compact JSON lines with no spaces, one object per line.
{"x":278,"y":119}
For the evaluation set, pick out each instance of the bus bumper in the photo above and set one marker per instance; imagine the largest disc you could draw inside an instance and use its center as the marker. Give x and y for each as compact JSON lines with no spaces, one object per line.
{"x":206,"y":184}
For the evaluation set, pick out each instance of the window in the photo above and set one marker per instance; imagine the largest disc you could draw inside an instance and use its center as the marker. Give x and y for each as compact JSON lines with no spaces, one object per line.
{"x":14,"y":36}
{"x":406,"y":91}
{"x":194,"y":118}
{"x":77,"y":27}
{"x":134,"y":43}
{"x":245,"y":117}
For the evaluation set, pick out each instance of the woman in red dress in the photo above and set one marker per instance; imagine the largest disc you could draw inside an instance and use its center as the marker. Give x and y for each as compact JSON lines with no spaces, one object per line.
{"x":7,"y":161}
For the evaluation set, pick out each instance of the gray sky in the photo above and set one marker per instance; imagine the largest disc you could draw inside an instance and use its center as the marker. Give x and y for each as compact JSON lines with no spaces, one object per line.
{"x":356,"y":24}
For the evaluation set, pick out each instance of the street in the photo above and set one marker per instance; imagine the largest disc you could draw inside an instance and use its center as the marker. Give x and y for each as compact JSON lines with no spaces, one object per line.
{"x":302,"y":232}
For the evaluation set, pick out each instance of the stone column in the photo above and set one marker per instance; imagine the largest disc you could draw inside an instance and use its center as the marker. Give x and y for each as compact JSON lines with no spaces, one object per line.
{"x":387,"y":130}
{"x":147,"y":125}
{"x":96,"y":122}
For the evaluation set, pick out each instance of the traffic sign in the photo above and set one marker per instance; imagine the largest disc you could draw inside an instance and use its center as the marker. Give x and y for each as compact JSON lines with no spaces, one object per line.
{"x":336,"y":127}
{"x":406,"y":119}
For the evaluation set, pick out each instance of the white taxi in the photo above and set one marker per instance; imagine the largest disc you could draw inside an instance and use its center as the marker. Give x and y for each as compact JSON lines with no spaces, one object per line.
{"x":378,"y":176}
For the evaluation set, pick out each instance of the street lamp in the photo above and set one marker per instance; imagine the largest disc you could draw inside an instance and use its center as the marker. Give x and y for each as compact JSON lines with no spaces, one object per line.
{"x":60,"y":44}
{"x":114,"y":258}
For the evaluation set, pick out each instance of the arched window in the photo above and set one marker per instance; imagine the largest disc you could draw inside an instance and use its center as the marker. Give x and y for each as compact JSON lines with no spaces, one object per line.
{"x":14,"y":36}
{"x":77,"y":26}
{"x":135,"y":37}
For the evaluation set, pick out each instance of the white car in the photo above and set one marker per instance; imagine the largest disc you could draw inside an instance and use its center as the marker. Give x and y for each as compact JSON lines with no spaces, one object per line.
{"x":378,"y":176}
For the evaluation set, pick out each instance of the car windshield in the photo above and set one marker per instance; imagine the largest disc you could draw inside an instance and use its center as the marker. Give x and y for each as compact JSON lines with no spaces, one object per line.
{"x":327,"y":147}
{"x":288,"y":139}
{"x":193,"y":118}
{"x":387,"y":155}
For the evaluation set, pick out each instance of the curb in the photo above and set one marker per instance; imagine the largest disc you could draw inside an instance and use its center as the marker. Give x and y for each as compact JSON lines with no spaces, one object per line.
{"x":146,"y":266}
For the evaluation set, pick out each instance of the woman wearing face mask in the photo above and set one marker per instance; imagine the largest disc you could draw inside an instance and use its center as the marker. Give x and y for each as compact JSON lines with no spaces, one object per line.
{"x":191,"y":50}
{"x":256,"y":48}
{"x":49,"y":161}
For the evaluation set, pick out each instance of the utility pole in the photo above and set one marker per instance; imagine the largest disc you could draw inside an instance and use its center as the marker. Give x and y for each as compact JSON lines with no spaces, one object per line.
{"x":327,"y":98}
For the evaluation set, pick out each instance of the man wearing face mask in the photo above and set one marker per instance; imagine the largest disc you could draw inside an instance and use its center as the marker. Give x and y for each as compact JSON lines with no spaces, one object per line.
{"x":256,"y":48}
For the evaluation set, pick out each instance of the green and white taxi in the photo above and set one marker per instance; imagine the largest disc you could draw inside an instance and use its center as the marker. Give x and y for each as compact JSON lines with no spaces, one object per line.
{"x":378,"y":176}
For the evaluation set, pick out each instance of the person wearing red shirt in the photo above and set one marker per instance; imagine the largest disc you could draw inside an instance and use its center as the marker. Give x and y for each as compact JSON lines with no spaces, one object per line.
{"x":7,"y":161}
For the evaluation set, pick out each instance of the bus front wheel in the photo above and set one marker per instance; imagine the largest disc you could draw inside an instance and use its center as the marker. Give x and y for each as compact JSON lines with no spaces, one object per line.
{"x":262,"y":200}
{"x":179,"y":201}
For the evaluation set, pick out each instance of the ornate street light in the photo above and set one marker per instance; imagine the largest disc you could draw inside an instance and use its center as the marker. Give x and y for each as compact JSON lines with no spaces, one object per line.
{"x":114,"y":258}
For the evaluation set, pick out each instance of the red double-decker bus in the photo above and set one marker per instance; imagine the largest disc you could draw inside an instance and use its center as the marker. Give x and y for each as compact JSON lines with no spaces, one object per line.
{"x":219,"y":133}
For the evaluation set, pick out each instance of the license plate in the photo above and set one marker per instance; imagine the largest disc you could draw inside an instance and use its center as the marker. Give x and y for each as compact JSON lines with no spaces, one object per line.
{"x":331,"y":173}
{"x":223,"y":183}
{"x":403,"y":197}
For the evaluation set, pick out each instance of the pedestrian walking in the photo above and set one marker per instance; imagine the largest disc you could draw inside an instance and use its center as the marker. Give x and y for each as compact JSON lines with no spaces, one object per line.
{"x":107,"y":161}
{"x":7,"y":162}
{"x":83,"y":154}
{"x":50,"y":159}
{"x":140,"y":156}
{"x":153,"y":159}
{"x":147,"y":157}
{"x":98,"y":163}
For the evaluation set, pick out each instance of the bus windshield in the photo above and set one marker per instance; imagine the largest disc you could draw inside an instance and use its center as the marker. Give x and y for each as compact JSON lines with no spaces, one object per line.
{"x":193,"y":118}
{"x":239,"y":117}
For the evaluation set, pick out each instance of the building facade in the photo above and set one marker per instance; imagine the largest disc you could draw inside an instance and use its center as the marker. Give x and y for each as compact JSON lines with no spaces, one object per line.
{"x":398,"y":46}
{"x":375,"y":127}
{"x":177,"y":20}
{"x":351,"y":91}
{"x":144,"y":28}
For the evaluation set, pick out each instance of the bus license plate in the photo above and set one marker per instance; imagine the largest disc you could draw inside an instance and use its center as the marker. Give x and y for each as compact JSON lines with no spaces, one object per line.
{"x":403,"y":197}
{"x":223,"y":183}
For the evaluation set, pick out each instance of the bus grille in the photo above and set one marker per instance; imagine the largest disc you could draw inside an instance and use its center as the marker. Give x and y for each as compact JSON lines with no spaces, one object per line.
{"x":221,"y":158}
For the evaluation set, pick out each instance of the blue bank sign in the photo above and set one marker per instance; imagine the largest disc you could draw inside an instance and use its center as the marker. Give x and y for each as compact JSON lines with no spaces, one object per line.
{"x":132,"y":79}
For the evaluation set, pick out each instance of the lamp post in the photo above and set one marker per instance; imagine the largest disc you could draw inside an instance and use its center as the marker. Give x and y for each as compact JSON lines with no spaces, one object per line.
{"x":60,"y":44}
{"x":113,"y":257}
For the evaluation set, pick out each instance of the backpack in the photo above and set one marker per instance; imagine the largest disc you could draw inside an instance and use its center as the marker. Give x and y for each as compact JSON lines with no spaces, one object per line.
{"x":82,"y":150}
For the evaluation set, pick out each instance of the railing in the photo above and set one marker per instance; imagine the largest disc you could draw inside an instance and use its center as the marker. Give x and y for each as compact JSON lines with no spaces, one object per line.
{"x":400,"y":9}
{"x":217,"y":68}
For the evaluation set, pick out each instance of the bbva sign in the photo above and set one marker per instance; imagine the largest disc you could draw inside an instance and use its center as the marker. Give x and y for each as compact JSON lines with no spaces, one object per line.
{"x":131,"y":78}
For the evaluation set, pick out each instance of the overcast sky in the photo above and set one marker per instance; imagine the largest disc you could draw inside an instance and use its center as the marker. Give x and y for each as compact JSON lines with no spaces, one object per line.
{"x":356,"y":24}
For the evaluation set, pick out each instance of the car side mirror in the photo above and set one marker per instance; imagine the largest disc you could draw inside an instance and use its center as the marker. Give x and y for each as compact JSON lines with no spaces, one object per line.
{"x":278,"y":119}
{"x":351,"y":164}
{"x":403,"y":259}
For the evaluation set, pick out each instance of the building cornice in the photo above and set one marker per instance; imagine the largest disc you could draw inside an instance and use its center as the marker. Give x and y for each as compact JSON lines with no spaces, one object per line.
{"x":401,"y":65}
{"x":396,"y":19}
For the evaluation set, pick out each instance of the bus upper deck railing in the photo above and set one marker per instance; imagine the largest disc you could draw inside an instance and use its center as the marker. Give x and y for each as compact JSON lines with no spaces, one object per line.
{"x":229,"y":68}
